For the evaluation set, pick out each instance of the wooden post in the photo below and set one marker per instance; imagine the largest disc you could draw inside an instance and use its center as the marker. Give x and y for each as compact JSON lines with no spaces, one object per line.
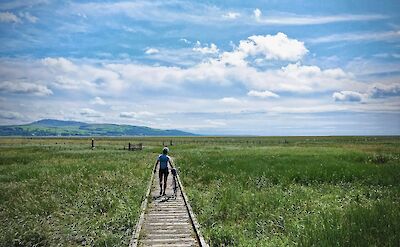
{"x":129,"y":146}
{"x":92,"y":143}
{"x":141,"y":146}
{"x":170,"y":143}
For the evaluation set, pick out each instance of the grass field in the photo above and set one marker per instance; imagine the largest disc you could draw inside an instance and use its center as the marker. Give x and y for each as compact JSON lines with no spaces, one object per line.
{"x":272,"y":191}
{"x":305,"y":191}
{"x":60,"y":192}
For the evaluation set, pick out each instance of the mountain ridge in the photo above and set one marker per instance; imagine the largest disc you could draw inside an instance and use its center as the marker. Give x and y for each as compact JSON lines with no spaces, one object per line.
{"x":54,"y":127}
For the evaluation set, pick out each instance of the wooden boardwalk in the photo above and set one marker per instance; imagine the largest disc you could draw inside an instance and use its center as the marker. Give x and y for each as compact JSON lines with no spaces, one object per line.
{"x":166,"y":220}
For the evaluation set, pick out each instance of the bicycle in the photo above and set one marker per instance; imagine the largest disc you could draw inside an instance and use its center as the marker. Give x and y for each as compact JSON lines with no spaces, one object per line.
{"x":174,"y":181}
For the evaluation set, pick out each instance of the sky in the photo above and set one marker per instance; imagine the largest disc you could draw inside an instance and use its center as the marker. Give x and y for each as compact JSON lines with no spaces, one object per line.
{"x":271,"y":67}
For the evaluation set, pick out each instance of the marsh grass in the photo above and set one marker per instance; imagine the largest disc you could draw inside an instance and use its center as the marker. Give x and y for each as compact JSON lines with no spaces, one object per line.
{"x":333,"y":193}
{"x":67,"y":194}
{"x":245,"y":191}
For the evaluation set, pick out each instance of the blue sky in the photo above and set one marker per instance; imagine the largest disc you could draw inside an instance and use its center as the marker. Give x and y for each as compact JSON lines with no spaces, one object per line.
{"x":209,"y":67}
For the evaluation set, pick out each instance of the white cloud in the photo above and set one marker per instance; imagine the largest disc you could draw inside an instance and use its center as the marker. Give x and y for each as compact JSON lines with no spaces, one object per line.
{"x":234,"y":58}
{"x":87,"y":112}
{"x":127,"y":114}
{"x":144,"y":114}
{"x":10,"y":115}
{"x":19,"y":87}
{"x":135,"y":29}
{"x":151,"y":51}
{"x":67,"y":74}
{"x":29,"y":17}
{"x":98,"y":101}
{"x":365,"y":36}
{"x":257,"y":14}
{"x":145,"y":76}
{"x":262,"y":94}
{"x":9,"y":17}
{"x":214,"y":123}
{"x":60,"y":63}
{"x":230,"y":100}
{"x":212,"y":49}
{"x":298,"y":78}
{"x":376,"y":91}
{"x":82,"y":15}
{"x":382,"y":90}
{"x":348,"y":96}
{"x":139,"y":114}
{"x":269,"y":47}
{"x":273,"y":47}
{"x":182,"y":57}
{"x":21,"y":4}
{"x":68,"y":82}
{"x":362,"y":67}
{"x":229,"y":68}
{"x":387,"y":55}
{"x":205,"y":14}
{"x":293,"y":19}
{"x":155,"y":11}
{"x":231,"y":15}
{"x":185,"y":41}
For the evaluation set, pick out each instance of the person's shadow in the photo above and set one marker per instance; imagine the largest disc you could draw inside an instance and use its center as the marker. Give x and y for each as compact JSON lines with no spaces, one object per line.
{"x":162,"y":198}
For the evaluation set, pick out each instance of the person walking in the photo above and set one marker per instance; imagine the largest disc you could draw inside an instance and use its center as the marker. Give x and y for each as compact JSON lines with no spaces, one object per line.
{"x":163,"y":160}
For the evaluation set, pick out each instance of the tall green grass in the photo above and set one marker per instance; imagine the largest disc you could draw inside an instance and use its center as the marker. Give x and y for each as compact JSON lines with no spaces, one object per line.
{"x":246,"y":191}
{"x":66,"y":194}
{"x":321,"y":194}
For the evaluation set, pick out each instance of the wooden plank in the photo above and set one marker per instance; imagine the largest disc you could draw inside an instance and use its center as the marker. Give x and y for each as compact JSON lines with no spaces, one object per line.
{"x":168,"y":231}
{"x":168,"y":219}
{"x":172,"y":214}
{"x":168,"y":240}
{"x":167,"y":223}
{"x":168,"y":235}
{"x":172,"y":245}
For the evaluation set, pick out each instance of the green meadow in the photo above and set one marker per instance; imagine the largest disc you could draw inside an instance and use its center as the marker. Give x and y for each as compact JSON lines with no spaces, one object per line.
{"x":245,"y":191}
{"x":60,"y":192}
{"x":295,"y":192}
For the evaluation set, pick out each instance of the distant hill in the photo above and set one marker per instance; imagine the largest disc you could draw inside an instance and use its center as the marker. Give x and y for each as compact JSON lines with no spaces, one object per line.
{"x":52,"y":127}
